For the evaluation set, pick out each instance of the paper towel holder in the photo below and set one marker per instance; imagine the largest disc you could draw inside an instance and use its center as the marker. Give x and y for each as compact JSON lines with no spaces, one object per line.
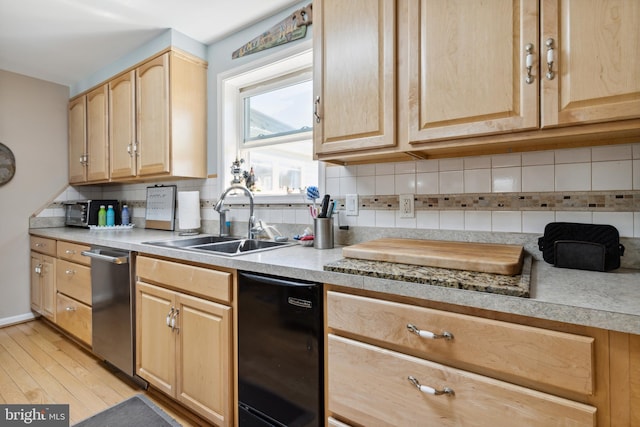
{"x":189,"y":213}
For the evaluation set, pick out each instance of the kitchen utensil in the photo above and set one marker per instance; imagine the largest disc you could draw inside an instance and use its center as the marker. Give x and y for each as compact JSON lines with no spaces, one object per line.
{"x":324,"y":206}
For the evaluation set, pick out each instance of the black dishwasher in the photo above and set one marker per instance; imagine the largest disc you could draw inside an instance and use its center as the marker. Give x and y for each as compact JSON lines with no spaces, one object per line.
{"x":280,"y":352}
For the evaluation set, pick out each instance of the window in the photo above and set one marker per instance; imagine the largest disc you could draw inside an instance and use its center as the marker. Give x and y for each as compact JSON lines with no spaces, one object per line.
{"x":268,"y":121}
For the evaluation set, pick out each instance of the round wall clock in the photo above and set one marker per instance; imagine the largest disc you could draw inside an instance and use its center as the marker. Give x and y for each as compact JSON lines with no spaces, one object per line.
{"x":7,"y":164}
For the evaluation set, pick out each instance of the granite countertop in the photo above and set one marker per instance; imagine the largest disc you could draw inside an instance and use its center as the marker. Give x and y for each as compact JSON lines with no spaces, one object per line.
{"x":604,"y":300}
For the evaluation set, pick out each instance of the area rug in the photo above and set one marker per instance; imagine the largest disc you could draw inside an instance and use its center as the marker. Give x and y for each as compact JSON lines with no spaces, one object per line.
{"x":136,"y":411}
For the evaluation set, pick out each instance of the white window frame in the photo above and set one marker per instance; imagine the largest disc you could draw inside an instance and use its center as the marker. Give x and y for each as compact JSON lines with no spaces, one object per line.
{"x":230,"y":111}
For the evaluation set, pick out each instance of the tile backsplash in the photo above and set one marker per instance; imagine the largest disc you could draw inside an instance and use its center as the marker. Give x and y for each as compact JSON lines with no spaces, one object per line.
{"x":519,"y":192}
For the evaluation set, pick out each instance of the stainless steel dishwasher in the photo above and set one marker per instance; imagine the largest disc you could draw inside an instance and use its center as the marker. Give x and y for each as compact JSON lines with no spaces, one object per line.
{"x":113,"y":307}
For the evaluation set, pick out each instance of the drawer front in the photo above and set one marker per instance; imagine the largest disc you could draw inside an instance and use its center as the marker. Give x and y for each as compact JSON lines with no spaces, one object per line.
{"x":369,"y":386}
{"x":518,"y":352}
{"x":74,"y":317}
{"x":73,"y":252}
{"x":43,"y":245}
{"x":199,"y":281}
{"x":74,"y":280}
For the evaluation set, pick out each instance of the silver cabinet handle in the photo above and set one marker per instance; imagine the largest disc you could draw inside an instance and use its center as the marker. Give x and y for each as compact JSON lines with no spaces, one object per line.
{"x":115,"y":260}
{"x":169,"y":316}
{"x":316,"y":103}
{"x":69,"y":272}
{"x":70,"y":252}
{"x":550,"y":58}
{"x":430,"y":390}
{"x":38,"y":269}
{"x":70,"y":309}
{"x":427,"y":334}
{"x":174,"y":321}
{"x":529,"y":63}
{"x":40,"y":245}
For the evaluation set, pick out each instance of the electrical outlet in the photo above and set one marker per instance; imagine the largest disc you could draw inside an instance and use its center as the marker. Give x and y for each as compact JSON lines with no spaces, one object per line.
{"x":406,"y":206}
{"x":351,"y":204}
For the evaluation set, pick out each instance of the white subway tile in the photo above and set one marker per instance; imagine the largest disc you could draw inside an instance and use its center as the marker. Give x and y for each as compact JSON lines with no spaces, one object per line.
{"x":349,"y":170}
{"x":303,"y":216}
{"x":636,"y":174}
{"x":385,"y":218}
{"x":481,"y":162}
{"x":450,"y":164}
{"x":333,"y":186}
{"x":477,"y":220}
{"x":636,"y":224}
{"x":623,"y":221}
{"x":366,"y":170}
{"x":477,"y":180}
{"x":611,"y":152}
{"x":428,"y":220}
{"x":572,"y":216}
{"x":535,"y":221}
{"x":348,"y":185}
{"x":289,"y":216}
{"x":573,"y":155}
{"x":452,"y":220}
{"x":332,"y":171}
{"x":613,"y":175}
{"x":405,"y":183}
{"x":538,"y":178}
{"x":535,"y":158}
{"x":385,"y":169}
{"x":636,"y":151}
{"x":506,"y":180}
{"x":427,"y":183}
{"x":451,"y":182}
{"x":385,"y":185}
{"x":427,"y":166}
{"x":366,"y":218}
{"x":404,"y":222}
{"x":573,"y":177}
{"x":366,"y":185}
{"x":506,"y":221}
{"x":506,"y":160}
{"x":405,"y":167}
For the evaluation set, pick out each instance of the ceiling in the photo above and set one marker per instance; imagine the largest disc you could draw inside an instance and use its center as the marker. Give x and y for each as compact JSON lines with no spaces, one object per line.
{"x":64,"y":41}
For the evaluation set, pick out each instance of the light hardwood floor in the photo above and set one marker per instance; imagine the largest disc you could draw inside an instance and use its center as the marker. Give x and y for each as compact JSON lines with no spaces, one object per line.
{"x":38,"y":365}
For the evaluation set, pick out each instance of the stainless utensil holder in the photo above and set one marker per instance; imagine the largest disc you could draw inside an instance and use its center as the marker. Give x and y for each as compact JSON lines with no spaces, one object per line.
{"x":323,"y":233}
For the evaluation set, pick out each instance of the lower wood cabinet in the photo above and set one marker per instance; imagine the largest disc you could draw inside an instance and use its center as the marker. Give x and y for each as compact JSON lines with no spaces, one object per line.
{"x":74,"y":317}
{"x":43,"y":287}
{"x":183,"y":342}
{"x":398,"y":364}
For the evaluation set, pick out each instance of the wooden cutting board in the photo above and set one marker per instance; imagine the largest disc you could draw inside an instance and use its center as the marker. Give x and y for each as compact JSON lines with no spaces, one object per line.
{"x":483,"y":257}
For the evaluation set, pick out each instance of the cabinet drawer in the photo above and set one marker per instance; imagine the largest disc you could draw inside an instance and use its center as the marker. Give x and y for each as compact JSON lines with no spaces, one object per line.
{"x":370,"y":386}
{"x":73,"y":252}
{"x":43,"y":245}
{"x":74,"y":280}
{"x":74,"y":317}
{"x":188,"y":278}
{"x":513,"y":352}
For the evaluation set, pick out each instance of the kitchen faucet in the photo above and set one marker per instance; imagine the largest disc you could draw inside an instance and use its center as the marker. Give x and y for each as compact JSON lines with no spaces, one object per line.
{"x":219,"y":207}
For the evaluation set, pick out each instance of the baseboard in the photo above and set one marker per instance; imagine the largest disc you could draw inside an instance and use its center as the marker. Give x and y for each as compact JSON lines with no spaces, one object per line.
{"x":21,"y":318}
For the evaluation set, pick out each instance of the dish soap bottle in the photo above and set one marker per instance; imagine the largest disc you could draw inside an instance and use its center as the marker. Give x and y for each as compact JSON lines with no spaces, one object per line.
{"x":102,"y":216}
{"x":111,"y":216}
{"x":125,"y":215}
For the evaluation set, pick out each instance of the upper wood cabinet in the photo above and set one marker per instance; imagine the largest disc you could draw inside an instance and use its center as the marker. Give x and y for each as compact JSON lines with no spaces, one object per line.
{"x":471,"y":78}
{"x":354,"y":75}
{"x":466,"y":67}
{"x":596,"y":71}
{"x":89,"y":137}
{"x":154,"y":120}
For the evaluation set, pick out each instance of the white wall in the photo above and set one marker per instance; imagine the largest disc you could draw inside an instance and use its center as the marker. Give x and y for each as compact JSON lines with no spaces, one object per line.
{"x":33,"y":124}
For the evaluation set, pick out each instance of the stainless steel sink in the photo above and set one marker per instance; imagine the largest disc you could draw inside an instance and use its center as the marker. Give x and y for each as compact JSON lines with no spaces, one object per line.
{"x":227,"y":246}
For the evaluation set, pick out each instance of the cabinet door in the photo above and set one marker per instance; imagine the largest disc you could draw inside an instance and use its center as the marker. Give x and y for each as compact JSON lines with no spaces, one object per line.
{"x":152,"y":95}
{"x":465,"y":65}
{"x":98,"y":134}
{"x":122,"y":126}
{"x":36,"y":289}
{"x":204,"y":358}
{"x":354,"y":75}
{"x":596,"y":69}
{"x":77,"y":140}
{"x":48,"y":286}
{"x":155,"y":340}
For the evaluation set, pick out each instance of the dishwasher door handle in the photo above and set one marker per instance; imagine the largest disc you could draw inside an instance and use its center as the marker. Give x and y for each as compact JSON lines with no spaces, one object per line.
{"x":111,"y":259}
